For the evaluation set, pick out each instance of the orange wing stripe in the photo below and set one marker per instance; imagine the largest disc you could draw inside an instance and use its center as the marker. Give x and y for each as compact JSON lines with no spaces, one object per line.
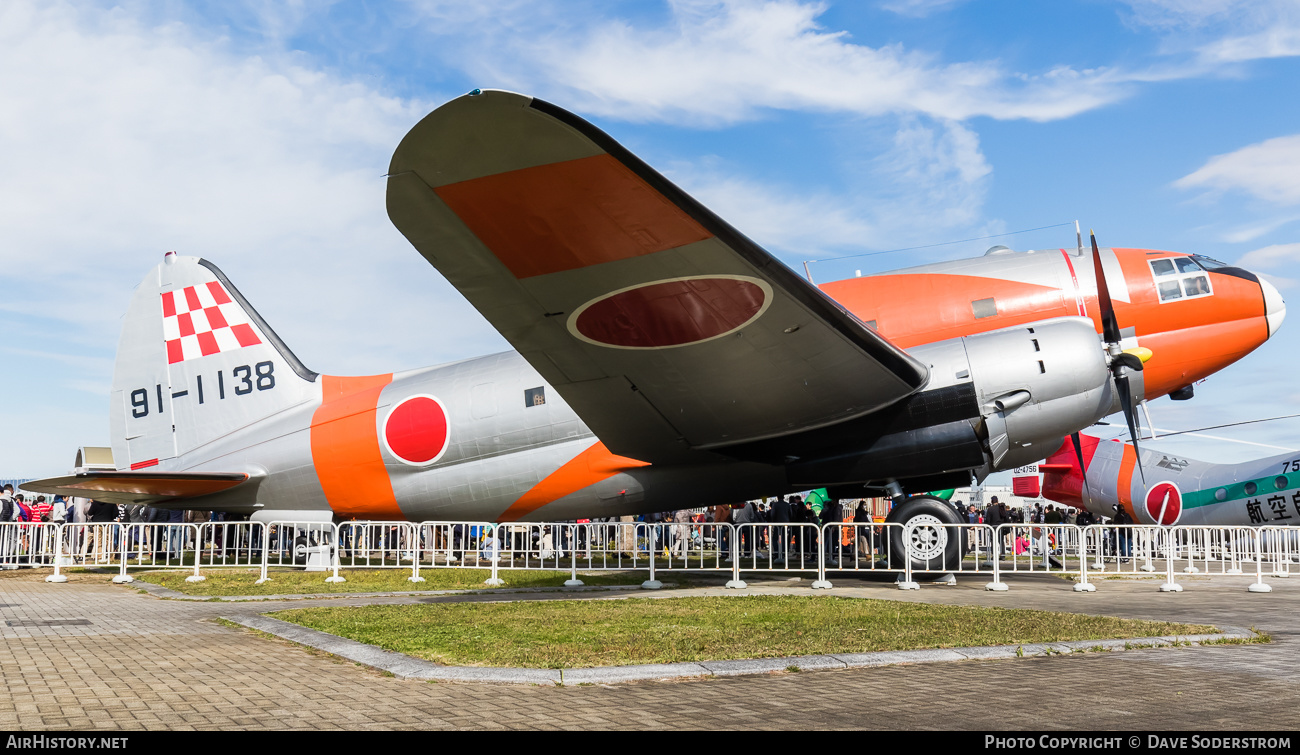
{"x":568,"y":215}
{"x":345,"y":448}
{"x":587,"y":468}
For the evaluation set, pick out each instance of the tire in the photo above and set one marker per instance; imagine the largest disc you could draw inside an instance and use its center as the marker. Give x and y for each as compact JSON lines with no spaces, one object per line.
{"x":299,"y":550}
{"x":931,"y":546}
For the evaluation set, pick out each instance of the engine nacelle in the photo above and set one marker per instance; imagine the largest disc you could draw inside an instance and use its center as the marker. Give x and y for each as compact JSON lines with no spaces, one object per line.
{"x":1033,"y":385}
{"x":1037,"y":384}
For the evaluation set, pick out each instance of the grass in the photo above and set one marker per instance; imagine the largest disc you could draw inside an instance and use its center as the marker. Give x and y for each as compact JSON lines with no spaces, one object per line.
{"x":231,"y":582}
{"x":574,"y":634}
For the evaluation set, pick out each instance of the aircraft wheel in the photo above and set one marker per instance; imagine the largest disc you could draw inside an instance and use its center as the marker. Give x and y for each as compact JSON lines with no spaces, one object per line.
{"x":300,"y":550}
{"x":927,"y":542}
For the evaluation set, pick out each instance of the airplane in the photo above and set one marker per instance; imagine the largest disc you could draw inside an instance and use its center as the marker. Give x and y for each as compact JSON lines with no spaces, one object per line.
{"x":1182,"y":491}
{"x":662,"y":359}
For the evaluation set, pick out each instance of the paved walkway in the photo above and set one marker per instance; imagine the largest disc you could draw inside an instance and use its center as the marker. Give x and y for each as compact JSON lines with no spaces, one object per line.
{"x":88,"y":654}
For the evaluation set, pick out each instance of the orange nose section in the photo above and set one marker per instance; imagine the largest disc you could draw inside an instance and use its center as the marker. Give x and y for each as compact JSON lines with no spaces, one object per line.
{"x":1197,"y":316}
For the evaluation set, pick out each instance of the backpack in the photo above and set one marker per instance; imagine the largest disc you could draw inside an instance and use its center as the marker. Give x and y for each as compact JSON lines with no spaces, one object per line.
{"x":7,"y":510}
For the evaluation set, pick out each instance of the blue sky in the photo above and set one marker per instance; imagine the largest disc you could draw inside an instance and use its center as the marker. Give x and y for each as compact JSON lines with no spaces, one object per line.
{"x":256,"y":135}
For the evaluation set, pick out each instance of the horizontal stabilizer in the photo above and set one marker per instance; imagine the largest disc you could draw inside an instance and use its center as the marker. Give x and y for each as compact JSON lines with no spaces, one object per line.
{"x":156,"y":489}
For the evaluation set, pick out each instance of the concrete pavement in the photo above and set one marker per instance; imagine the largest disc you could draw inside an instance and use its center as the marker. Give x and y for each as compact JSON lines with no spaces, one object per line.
{"x":92,"y":655}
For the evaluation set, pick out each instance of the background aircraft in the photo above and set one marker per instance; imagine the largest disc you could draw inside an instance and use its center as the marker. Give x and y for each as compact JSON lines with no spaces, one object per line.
{"x":1179,"y":489}
{"x":663,"y":359}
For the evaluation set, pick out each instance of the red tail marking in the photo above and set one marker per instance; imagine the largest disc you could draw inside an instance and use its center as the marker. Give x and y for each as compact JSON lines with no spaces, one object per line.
{"x":1062,"y":478}
{"x":218,"y":293}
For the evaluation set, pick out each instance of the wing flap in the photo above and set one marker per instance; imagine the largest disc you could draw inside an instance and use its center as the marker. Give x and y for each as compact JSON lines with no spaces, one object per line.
{"x":668,"y":331}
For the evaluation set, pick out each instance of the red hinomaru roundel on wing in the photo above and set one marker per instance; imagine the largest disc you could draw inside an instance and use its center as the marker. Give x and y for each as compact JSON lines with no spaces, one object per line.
{"x":672,"y":312}
{"x":416,"y":430}
{"x":1164,"y":503}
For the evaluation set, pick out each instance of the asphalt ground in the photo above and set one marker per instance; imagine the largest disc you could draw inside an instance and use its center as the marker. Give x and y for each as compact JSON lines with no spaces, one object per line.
{"x":91,"y":655}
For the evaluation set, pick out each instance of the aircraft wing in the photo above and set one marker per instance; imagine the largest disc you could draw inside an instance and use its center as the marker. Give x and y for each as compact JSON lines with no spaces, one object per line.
{"x":158,"y":489}
{"x":667,"y":330}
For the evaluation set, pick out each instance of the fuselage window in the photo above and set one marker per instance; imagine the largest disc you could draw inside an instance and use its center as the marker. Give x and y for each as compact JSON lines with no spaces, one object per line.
{"x":1180,"y":278}
{"x":534,"y":396}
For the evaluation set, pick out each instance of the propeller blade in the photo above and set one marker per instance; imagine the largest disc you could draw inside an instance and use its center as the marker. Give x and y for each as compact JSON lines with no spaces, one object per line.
{"x":1125,"y":359}
{"x":1109,"y":325}
{"x":1126,"y":403}
{"x":1078,"y":454}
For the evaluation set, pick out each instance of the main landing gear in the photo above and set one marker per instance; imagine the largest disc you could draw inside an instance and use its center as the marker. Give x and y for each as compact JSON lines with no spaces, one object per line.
{"x":929,"y":544}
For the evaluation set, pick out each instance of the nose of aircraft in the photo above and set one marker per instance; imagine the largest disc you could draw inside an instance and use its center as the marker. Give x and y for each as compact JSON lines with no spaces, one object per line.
{"x":1274,"y":306}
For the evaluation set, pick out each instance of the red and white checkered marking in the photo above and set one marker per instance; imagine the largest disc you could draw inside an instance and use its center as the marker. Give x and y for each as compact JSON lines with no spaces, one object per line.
{"x":203,"y":320}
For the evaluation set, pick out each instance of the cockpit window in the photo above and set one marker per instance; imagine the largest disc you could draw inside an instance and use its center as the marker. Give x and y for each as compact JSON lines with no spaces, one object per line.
{"x":1181,"y":278}
{"x":1208,"y":263}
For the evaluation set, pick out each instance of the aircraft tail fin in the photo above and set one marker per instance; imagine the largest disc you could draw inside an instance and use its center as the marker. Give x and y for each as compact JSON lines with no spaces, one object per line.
{"x":1063,"y":478}
{"x":195,"y":362}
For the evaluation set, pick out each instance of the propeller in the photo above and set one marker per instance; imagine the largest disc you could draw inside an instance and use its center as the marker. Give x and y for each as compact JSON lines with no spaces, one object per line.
{"x":1121,"y":362}
{"x":1083,"y":469}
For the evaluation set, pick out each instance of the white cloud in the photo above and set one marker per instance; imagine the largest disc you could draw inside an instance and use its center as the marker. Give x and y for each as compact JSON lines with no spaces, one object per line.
{"x":1225,"y":31}
{"x":1251,"y":232}
{"x":719,"y":61}
{"x":123,"y":139}
{"x":1269,"y":170}
{"x":1271,"y":256}
{"x":918,"y":8}
{"x":931,"y":178}
{"x":1274,"y":257}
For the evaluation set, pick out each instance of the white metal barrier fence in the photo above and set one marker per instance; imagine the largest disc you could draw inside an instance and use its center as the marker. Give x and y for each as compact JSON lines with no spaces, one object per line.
{"x":28,"y":544}
{"x":918,"y":548}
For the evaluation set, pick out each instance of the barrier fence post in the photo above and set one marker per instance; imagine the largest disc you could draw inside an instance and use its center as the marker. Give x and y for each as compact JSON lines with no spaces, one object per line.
{"x":1231,"y":543}
{"x":263,"y":577}
{"x":908,"y":583}
{"x":735,"y":583}
{"x":652,"y":540}
{"x":415,"y":553}
{"x":338,"y":552}
{"x":1191,"y":567}
{"x":58,"y":558}
{"x":995,"y":547}
{"x":821,"y":583}
{"x":1258,"y":585}
{"x":1083,"y":585}
{"x":1169,"y":584}
{"x":573,"y":580}
{"x":1150,"y":536}
{"x":494,"y":542}
{"x":123,"y":548}
{"x":198,"y":552}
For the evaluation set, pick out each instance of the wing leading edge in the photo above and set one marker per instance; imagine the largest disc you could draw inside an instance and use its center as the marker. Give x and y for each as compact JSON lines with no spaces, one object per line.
{"x":668,"y":331}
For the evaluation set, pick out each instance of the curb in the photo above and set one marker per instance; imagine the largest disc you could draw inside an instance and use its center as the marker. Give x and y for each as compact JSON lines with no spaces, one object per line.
{"x":406,"y":667}
{"x":158,"y":591}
